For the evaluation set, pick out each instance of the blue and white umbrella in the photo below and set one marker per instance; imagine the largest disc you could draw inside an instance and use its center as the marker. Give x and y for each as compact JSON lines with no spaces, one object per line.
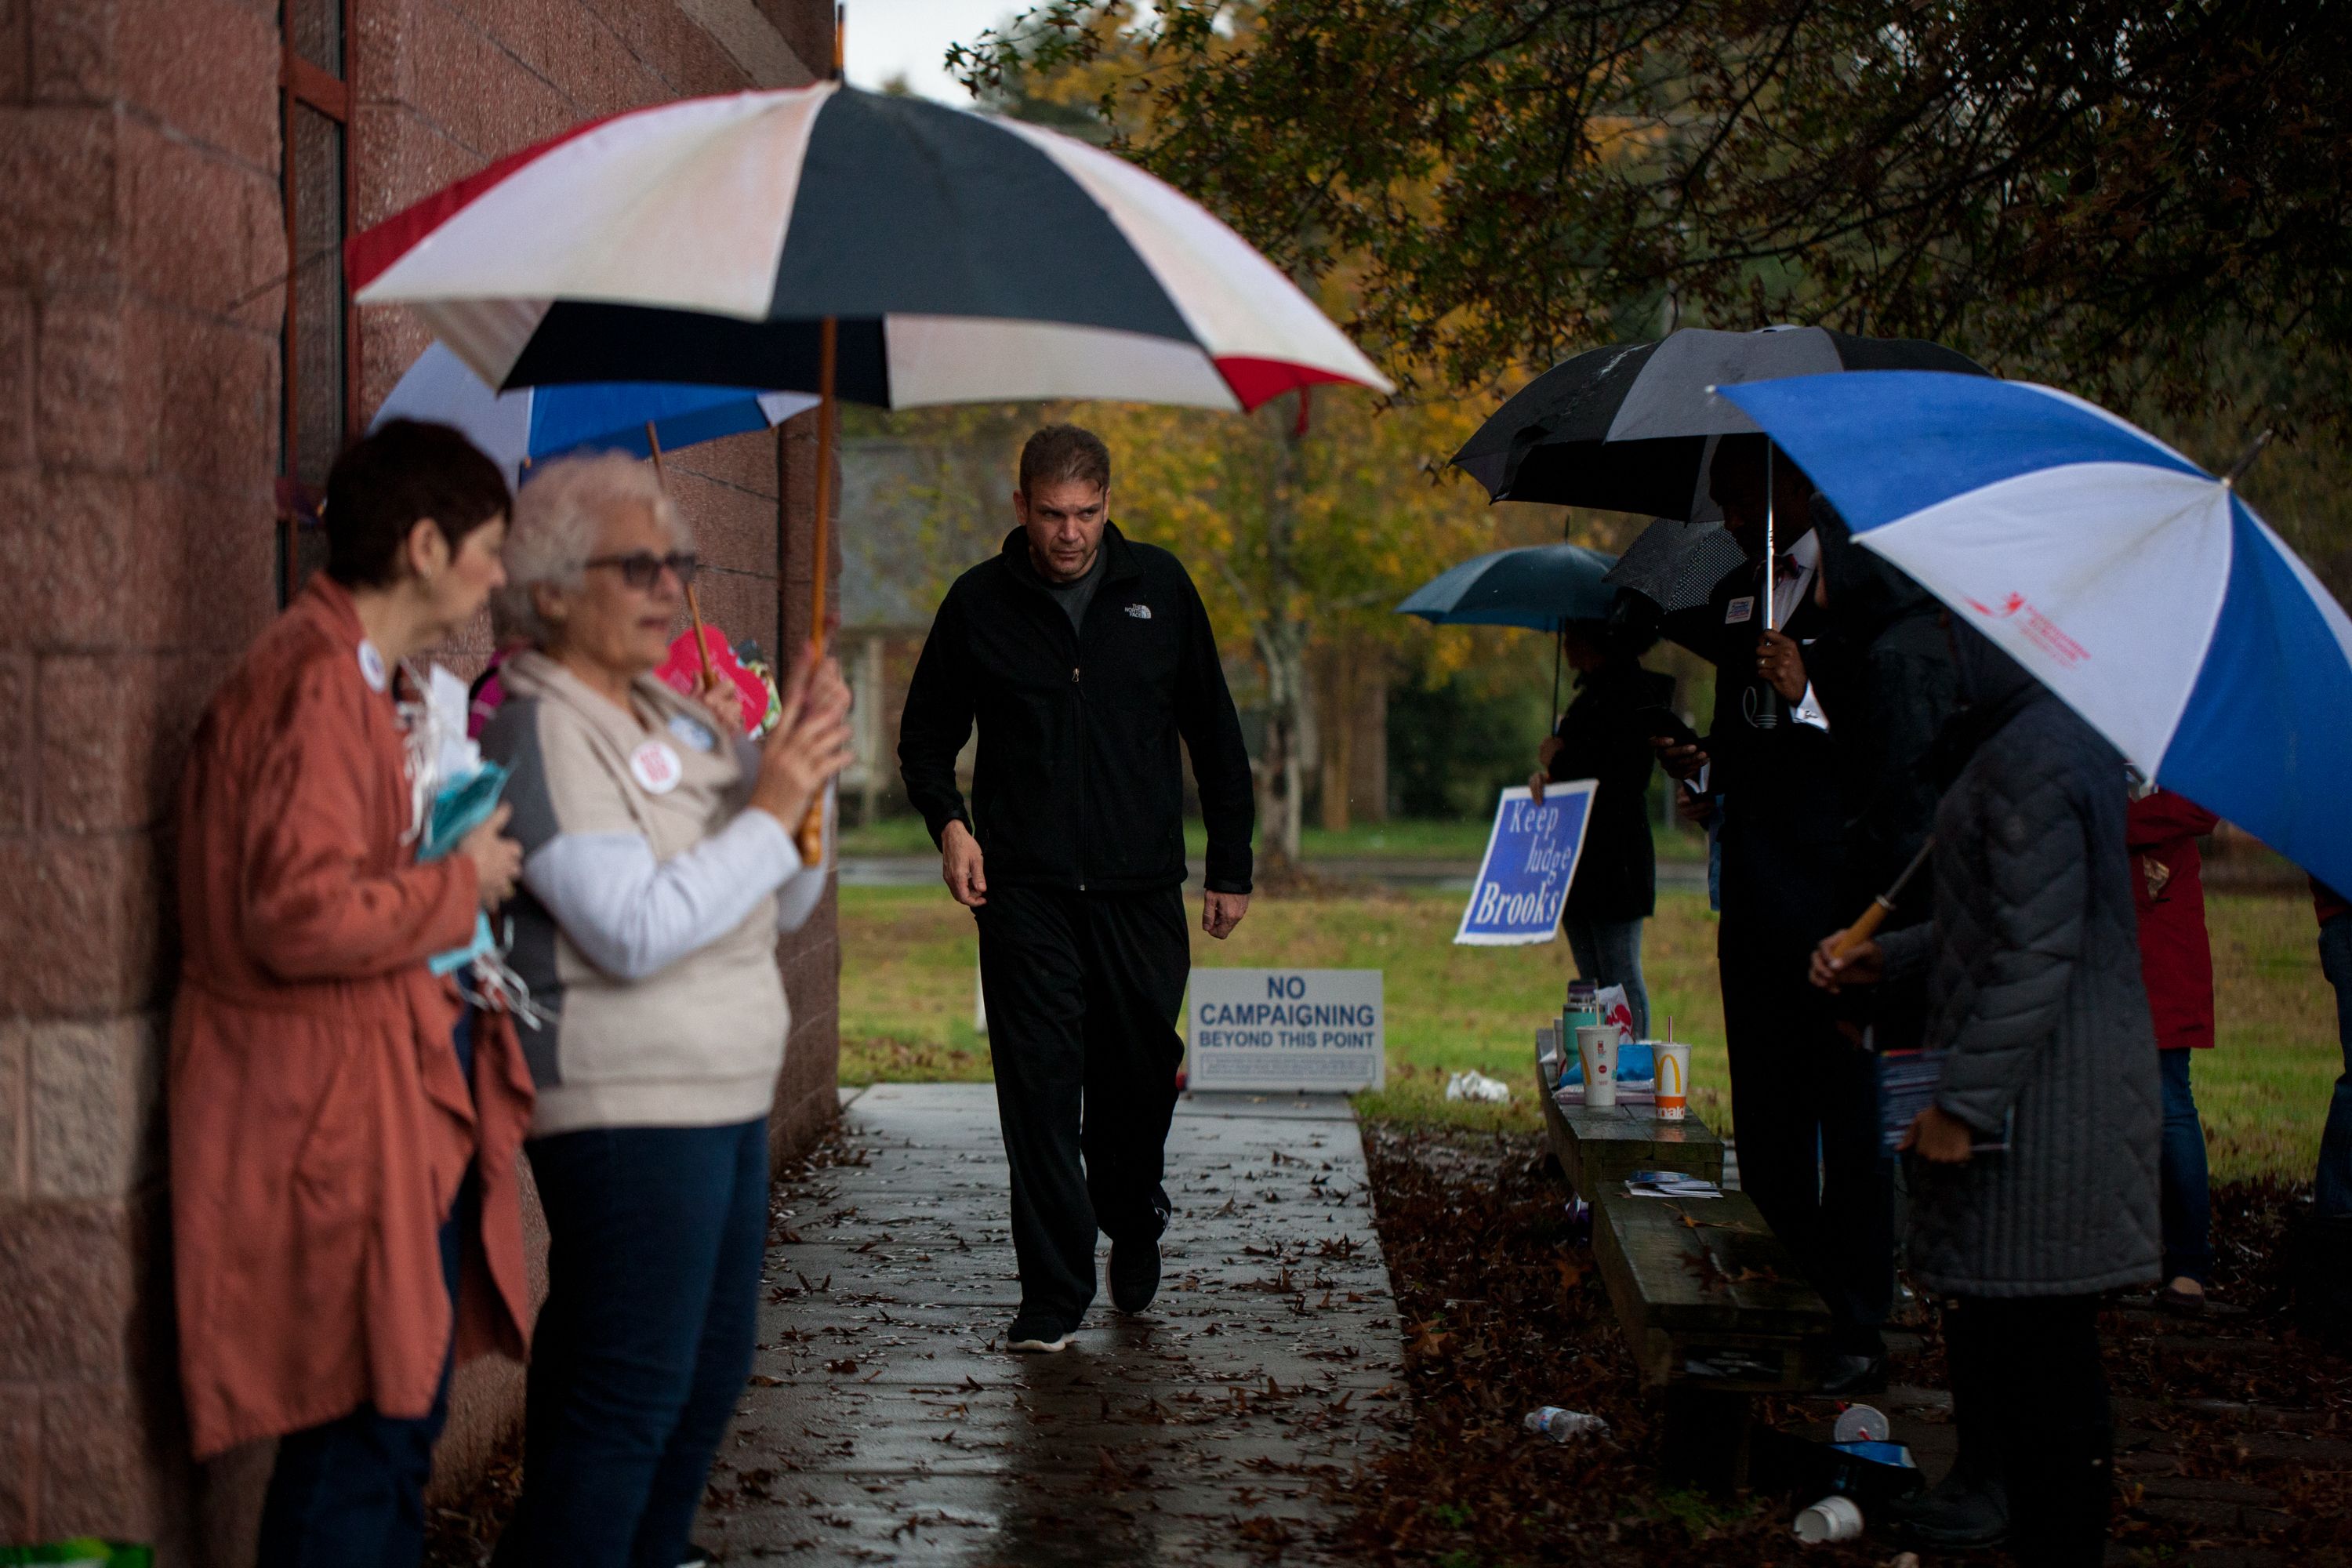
{"x":537,"y":423}
{"x":2132,"y":582}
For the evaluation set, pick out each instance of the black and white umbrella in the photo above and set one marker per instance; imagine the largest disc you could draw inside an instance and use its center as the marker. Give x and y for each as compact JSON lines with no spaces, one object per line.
{"x":1632,"y":427}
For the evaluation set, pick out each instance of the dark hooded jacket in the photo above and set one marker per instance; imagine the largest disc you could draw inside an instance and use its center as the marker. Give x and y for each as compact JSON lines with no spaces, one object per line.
{"x":1883,"y":669}
{"x":1602,"y":738}
{"x":2033,"y":985}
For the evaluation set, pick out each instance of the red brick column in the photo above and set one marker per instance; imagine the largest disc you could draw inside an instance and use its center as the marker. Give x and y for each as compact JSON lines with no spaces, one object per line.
{"x":142,"y":255}
{"x":139,"y":154}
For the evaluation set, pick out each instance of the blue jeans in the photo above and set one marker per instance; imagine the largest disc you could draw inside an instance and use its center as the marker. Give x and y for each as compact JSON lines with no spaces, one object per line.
{"x":1608,"y":953}
{"x":2332,"y":1187}
{"x":349,"y":1493}
{"x":2188,"y":1202}
{"x":656,"y":1240}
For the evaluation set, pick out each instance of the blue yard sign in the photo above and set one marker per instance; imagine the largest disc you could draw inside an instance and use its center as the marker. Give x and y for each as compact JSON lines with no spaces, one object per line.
{"x":1530,"y":861}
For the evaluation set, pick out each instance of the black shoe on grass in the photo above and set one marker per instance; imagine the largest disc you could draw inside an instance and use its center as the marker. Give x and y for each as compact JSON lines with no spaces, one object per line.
{"x":1134,"y":1274}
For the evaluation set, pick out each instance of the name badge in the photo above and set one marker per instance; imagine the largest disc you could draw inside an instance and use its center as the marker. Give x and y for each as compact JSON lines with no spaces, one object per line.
{"x":371,"y":668}
{"x":656,"y":767}
{"x":1740,"y":610}
{"x":694,"y":737}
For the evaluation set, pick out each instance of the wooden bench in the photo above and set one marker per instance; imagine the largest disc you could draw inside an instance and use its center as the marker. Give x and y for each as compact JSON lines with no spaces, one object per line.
{"x":1712,"y":1303}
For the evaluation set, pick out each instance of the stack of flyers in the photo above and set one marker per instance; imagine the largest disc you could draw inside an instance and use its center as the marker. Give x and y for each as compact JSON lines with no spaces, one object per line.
{"x":1907,"y":1081}
{"x":1669,"y":1184}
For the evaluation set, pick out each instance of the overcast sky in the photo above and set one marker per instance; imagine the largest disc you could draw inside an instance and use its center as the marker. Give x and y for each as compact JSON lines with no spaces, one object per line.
{"x":894,"y":37}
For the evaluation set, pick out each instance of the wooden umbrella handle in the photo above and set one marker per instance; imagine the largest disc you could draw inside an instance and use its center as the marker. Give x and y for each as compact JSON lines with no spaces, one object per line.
{"x":1862,"y":930}
{"x":810,"y":840}
{"x":693,"y":604}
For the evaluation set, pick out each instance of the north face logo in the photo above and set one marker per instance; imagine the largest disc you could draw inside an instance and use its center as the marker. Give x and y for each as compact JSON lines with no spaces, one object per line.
{"x":1140,"y":612}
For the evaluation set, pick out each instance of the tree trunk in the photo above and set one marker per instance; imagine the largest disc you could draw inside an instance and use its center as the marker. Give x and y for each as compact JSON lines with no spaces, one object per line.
{"x":1281,"y":638}
{"x":1339,"y":724}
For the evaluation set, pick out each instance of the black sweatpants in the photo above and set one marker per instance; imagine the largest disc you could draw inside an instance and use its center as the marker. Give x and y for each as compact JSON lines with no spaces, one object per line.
{"x":1083,"y":992}
{"x":1805,"y":1102}
{"x":2026,"y":1379}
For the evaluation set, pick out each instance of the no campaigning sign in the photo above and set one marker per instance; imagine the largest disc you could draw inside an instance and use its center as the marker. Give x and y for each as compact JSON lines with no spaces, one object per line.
{"x":1319,"y":1030}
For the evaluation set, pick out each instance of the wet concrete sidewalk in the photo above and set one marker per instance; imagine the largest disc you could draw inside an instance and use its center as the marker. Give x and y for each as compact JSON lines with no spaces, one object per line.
{"x":887,"y":1425}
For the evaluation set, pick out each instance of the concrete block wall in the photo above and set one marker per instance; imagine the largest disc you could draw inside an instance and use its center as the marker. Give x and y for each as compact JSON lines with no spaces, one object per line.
{"x":141,"y":253}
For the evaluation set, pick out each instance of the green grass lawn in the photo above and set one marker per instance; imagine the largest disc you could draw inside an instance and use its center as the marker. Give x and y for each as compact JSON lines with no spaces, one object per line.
{"x":909,"y":960}
{"x":1398,"y":840}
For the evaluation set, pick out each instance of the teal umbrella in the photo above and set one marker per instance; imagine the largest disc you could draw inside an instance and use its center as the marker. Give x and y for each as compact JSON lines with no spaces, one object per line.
{"x":1536,"y":586}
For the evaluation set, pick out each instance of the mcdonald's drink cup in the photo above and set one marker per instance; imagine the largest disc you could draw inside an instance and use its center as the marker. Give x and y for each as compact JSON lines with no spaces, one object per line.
{"x":1596,"y":1048}
{"x":1673,"y":1057}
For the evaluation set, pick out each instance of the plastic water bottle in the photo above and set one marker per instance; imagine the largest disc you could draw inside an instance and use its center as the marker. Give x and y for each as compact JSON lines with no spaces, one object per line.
{"x":1565,"y":1425}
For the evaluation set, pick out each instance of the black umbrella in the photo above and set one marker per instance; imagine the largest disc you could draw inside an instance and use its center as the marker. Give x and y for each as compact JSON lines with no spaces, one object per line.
{"x":1676,"y":565}
{"x":1632,"y":427}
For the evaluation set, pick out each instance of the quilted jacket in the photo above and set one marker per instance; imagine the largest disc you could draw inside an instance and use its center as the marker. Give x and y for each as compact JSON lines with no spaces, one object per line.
{"x":2033,"y":984}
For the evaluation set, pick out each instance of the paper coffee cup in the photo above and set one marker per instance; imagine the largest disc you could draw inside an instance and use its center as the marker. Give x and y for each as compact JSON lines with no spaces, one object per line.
{"x":1596,"y":1048}
{"x":1834,"y":1517}
{"x":1673,"y":1057}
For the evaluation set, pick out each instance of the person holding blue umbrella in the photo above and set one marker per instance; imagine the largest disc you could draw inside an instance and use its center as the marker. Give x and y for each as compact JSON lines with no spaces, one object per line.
{"x":1603,"y":734}
{"x":2109,"y":602}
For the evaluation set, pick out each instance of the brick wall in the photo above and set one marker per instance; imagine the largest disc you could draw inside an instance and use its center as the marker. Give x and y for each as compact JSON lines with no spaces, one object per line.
{"x":139,"y":258}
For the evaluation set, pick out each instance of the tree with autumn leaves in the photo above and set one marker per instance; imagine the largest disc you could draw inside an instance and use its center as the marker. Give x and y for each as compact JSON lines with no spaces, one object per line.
{"x":2139,"y":200}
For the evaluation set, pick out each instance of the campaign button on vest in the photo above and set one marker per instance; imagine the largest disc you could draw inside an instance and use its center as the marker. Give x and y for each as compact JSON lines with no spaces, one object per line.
{"x":656,"y":767}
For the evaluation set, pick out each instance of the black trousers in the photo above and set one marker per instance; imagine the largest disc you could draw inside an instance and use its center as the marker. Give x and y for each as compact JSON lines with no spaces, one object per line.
{"x":1806,"y":1105}
{"x":1083,"y":993}
{"x":2027,"y":1384}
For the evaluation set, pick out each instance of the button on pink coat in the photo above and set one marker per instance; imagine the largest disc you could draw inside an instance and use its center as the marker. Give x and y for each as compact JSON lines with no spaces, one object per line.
{"x":319,"y":1126}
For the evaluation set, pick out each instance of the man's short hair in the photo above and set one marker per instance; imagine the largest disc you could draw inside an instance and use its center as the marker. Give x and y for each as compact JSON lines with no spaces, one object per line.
{"x":1061,"y":454}
{"x":388,"y":482}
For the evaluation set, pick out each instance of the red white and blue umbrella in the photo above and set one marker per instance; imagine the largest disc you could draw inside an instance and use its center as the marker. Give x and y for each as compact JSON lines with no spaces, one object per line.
{"x":965,"y":258}
{"x":2135,"y":585}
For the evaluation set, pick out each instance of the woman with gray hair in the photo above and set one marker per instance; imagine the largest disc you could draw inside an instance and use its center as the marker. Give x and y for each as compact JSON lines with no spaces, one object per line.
{"x":658,"y":864}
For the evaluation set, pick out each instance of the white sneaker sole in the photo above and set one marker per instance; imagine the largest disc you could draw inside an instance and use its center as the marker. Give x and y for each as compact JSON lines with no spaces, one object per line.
{"x":1038,"y":1347}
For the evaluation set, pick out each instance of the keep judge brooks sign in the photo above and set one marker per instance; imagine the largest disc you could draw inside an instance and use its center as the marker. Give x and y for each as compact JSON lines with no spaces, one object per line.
{"x":1531,"y":857}
{"x":1285,"y":1029}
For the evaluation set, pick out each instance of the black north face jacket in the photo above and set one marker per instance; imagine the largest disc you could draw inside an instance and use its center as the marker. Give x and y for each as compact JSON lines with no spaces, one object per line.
{"x":1079,"y":783}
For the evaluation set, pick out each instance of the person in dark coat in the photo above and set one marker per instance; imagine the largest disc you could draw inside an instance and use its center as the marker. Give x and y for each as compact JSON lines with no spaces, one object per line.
{"x":2176,"y":964}
{"x":1083,"y":658}
{"x":2034,"y":1186}
{"x":1883,"y":671}
{"x":1804,"y":1099}
{"x":1601,"y":736}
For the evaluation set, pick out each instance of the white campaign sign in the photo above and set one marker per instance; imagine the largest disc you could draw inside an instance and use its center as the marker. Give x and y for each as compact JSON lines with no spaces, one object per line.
{"x":1319,"y":1030}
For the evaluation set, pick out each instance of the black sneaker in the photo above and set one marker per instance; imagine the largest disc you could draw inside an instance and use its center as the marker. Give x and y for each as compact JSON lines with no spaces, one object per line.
{"x":1850,"y":1374}
{"x":697,"y":1556}
{"x":1034,"y":1332}
{"x":1134,"y":1274}
{"x":1957,"y":1516}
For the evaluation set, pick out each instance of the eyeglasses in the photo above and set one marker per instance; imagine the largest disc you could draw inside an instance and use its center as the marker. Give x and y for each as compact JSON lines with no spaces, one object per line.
{"x":642,"y":569}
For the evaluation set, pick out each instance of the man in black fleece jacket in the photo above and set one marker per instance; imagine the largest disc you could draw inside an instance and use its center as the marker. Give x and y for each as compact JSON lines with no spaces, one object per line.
{"x":1083,"y":656}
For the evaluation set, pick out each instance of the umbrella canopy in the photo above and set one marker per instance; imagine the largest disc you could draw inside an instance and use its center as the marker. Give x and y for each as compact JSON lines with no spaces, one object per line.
{"x":2129,"y":581}
{"x":1536,"y":586}
{"x":965,"y":257}
{"x":1675,"y":565}
{"x":537,"y":423}
{"x":1631,"y":427}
